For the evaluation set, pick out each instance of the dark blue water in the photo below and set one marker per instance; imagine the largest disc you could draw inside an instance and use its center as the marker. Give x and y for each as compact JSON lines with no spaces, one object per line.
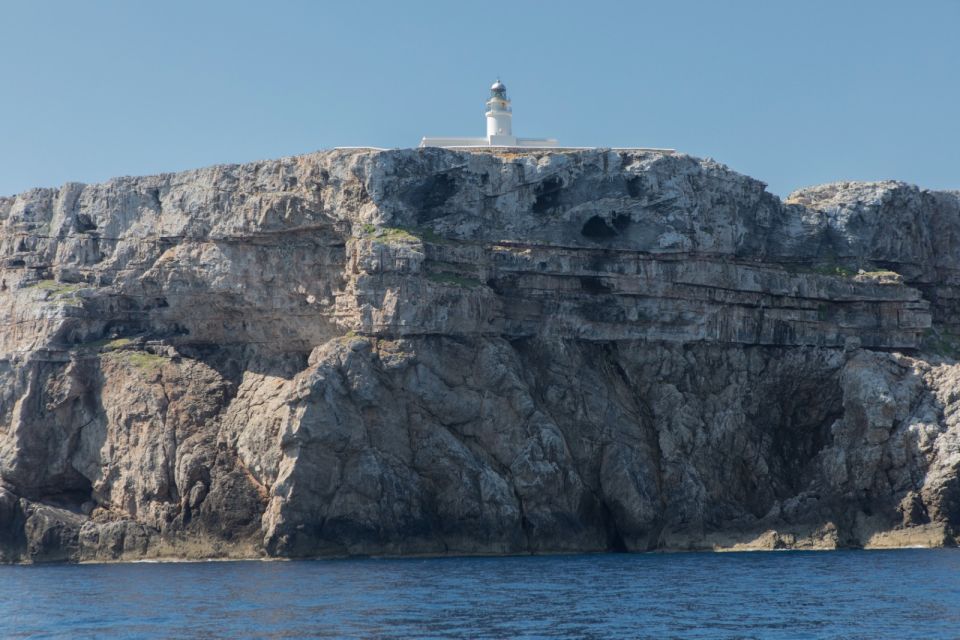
{"x":844,"y":594}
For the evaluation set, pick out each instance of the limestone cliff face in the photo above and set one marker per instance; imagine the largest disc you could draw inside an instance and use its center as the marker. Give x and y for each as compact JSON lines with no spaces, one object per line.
{"x":430,"y":351}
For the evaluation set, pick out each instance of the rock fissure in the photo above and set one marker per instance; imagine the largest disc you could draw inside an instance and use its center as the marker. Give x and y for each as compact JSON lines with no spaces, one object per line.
{"x":436,"y":351}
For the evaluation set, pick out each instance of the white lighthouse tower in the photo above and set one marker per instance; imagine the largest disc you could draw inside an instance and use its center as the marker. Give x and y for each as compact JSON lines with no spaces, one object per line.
{"x":499,"y":116}
{"x":499,"y":127}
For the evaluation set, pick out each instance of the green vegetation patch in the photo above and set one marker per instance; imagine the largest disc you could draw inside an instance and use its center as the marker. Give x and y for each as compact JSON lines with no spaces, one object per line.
{"x":400,"y":234}
{"x":118,"y":343}
{"x":833,"y":270}
{"x":429,"y":235}
{"x":392,"y":235}
{"x":350,"y":336}
{"x":108,"y":344}
{"x":942,"y":343}
{"x":145,"y":361}
{"x":56,"y":288}
{"x":142,"y":360}
{"x":823,"y":312}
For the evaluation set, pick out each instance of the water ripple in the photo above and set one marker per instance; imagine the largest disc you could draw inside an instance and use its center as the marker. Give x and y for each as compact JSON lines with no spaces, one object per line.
{"x":846,"y":594}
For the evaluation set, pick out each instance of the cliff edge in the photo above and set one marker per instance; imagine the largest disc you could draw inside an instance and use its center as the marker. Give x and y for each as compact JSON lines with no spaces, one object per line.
{"x":431,"y":351}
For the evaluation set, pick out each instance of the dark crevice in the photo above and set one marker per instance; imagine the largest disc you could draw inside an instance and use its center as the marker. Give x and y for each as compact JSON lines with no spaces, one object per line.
{"x":84,"y":223}
{"x":428,"y":196}
{"x":615,"y":541}
{"x":547,"y":194}
{"x":621,"y":221}
{"x":603,"y":228}
{"x":597,"y":228}
{"x":154,"y":195}
{"x":593,"y":284}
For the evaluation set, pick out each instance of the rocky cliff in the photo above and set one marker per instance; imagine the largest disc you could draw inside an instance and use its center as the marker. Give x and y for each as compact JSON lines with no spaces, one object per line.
{"x":432,"y":351}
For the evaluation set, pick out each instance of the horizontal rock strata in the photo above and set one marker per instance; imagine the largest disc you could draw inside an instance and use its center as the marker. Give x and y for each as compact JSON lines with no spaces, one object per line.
{"x":433,"y":351}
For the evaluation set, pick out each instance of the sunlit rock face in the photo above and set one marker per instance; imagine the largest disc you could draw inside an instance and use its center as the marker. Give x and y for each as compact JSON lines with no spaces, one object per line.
{"x":432,"y":351}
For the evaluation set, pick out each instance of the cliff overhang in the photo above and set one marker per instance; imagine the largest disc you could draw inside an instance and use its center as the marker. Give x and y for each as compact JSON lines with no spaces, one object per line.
{"x":440,"y":351}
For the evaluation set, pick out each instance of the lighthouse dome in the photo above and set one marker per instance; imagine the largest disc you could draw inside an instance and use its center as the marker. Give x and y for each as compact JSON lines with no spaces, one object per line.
{"x":498,"y":86}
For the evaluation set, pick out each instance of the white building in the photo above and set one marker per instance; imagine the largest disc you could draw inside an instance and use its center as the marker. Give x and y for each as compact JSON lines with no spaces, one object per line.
{"x":499,"y":127}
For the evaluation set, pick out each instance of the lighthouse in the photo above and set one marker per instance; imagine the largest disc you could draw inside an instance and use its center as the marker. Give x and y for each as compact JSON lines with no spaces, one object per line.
{"x":499,"y":127}
{"x":499,"y":116}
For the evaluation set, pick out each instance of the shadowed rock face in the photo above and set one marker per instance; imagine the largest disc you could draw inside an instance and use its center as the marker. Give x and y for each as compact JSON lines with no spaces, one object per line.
{"x":430,"y":351}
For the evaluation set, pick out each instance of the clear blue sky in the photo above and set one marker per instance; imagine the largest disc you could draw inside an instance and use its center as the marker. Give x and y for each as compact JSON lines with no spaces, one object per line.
{"x":793,"y":93}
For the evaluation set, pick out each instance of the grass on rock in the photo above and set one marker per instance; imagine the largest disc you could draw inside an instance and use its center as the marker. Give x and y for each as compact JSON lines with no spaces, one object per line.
{"x":399,"y":234}
{"x":56,"y":288}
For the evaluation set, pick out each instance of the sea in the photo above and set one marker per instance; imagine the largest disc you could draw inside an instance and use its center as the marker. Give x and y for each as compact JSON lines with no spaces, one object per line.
{"x":911,"y":593}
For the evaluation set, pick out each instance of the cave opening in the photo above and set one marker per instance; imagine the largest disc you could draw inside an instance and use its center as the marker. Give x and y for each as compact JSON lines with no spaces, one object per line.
{"x":597,"y":228}
{"x":548,"y":194}
{"x":84,"y":223}
{"x":429,"y":196}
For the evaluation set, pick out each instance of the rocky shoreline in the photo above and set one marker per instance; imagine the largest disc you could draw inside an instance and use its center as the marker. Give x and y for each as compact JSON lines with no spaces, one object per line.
{"x":428,"y":351}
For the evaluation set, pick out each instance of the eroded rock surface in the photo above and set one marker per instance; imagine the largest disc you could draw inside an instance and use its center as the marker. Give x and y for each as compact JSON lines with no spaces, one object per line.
{"x":431,"y":351}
